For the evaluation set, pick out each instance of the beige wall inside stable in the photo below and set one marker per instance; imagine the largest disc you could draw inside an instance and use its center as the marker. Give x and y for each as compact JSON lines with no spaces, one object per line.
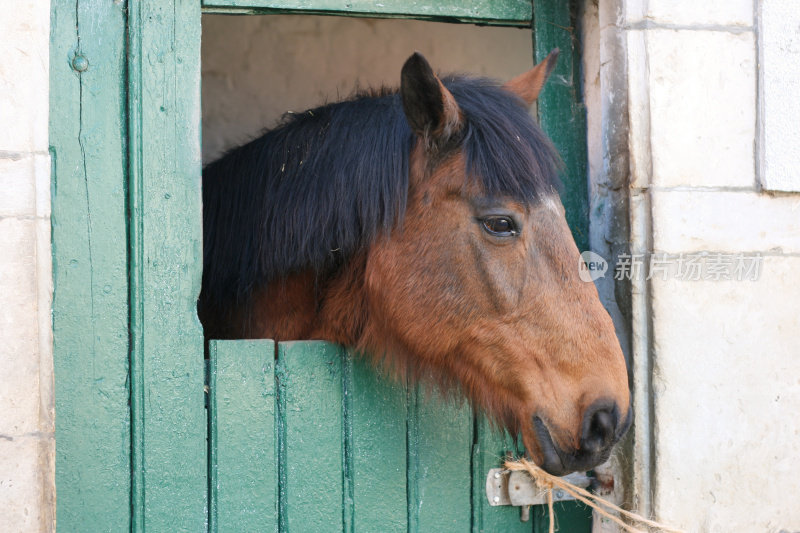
{"x":256,"y":68}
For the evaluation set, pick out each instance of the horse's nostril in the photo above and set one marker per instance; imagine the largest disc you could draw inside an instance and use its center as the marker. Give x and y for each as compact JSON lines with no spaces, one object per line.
{"x":599,"y":432}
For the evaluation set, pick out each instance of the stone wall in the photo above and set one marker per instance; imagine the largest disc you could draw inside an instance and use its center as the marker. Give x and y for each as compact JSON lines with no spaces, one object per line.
{"x":716,"y":360}
{"x":26,"y":361}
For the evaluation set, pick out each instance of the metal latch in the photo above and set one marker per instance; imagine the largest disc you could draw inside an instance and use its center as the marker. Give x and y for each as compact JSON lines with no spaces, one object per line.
{"x":517,"y":488}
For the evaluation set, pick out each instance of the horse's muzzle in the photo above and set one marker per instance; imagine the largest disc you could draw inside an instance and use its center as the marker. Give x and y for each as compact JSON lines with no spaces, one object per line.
{"x":600,"y":430}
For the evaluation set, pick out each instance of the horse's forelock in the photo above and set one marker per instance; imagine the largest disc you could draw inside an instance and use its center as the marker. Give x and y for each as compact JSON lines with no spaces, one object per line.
{"x":503,"y":146}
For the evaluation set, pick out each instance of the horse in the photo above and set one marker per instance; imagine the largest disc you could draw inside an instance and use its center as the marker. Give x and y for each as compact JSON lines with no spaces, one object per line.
{"x":423,"y":227}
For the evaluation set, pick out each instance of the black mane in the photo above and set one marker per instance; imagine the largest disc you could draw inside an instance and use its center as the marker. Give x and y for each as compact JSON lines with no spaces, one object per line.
{"x":319,"y":187}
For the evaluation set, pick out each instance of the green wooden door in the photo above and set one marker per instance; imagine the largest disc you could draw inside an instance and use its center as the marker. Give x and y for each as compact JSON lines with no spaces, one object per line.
{"x":316,"y":440}
{"x":342,"y":449}
{"x":128,"y":348}
{"x":312,"y":440}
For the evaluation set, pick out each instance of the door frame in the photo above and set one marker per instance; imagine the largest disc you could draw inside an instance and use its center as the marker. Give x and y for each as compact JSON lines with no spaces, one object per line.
{"x":125,"y":110}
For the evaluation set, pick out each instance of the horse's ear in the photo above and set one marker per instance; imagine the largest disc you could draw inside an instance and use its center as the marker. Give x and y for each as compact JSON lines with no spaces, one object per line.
{"x":431,"y":110}
{"x":528,"y":85}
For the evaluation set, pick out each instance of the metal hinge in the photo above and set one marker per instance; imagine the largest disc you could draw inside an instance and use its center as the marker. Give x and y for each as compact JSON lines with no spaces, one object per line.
{"x":517,"y":488}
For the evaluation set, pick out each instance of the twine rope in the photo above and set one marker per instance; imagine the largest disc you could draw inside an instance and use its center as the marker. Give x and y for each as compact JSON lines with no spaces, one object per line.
{"x":548,"y":482}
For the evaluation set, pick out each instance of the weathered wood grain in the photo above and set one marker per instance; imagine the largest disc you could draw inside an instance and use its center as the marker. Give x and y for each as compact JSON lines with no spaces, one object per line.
{"x":310,"y":422}
{"x":167,"y":367}
{"x":88,"y":143}
{"x":440,"y":447}
{"x":375,"y":449}
{"x":243,"y":462}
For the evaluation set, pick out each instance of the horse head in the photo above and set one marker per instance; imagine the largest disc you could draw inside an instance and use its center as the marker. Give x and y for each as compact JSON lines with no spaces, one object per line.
{"x":423,"y":227}
{"x":480,"y":284}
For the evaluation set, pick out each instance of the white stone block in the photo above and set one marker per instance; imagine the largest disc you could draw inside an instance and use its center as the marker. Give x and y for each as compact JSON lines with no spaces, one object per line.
{"x":24,"y":75}
{"x":633,"y":11}
{"x":20,"y":486}
{"x":25,"y":185}
{"x":638,"y":108}
{"x":44,"y":318}
{"x":701,"y":13}
{"x":691,"y":221}
{"x":702,"y":108}
{"x":17,"y":186}
{"x":779,"y":29}
{"x":726,"y":387}
{"x":19,"y":358}
{"x":42,"y":178}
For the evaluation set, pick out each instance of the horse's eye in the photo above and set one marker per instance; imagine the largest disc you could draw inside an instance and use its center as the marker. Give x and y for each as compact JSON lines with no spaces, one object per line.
{"x":500,"y":226}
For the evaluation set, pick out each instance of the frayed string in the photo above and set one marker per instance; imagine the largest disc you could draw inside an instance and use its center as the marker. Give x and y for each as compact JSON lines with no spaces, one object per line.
{"x":548,"y":482}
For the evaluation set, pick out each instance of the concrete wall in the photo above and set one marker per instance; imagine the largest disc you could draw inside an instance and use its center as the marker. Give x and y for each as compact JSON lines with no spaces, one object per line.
{"x":717,"y":362}
{"x":779,"y":105}
{"x":26,"y":362}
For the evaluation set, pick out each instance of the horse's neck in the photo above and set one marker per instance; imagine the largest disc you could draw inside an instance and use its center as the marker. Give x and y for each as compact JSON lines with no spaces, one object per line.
{"x":303,"y":307}
{"x":284,"y":310}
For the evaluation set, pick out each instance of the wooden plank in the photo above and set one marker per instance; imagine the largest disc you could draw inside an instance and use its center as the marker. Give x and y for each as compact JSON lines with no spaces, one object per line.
{"x":90,"y":301}
{"x":571,"y":517}
{"x":243,"y":467}
{"x":489,"y":452}
{"x":310,"y":420}
{"x":375,"y":450}
{"x":562,"y":113}
{"x":440,"y":434}
{"x":167,"y":366}
{"x":494,"y":12}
